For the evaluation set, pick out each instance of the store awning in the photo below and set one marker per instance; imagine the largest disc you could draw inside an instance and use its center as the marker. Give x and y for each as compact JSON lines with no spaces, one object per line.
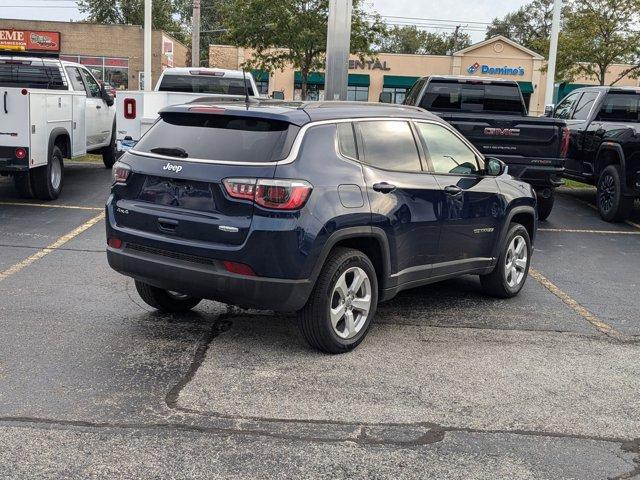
{"x":526,"y":87}
{"x":358,"y":80}
{"x":395,"y":81}
{"x":314,"y":78}
{"x":260,"y":75}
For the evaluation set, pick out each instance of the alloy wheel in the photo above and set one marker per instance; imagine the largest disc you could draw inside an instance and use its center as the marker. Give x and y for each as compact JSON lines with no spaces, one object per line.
{"x":515,"y":265}
{"x":606,"y":192}
{"x":350,"y":303}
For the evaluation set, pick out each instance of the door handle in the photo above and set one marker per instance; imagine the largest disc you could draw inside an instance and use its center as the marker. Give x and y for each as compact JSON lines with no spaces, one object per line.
{"x":98,"y":106}
{"x":167,"y":225}
{"x":5,"y":102}
{"x":452,"y":190}
{"x":383,"y":187}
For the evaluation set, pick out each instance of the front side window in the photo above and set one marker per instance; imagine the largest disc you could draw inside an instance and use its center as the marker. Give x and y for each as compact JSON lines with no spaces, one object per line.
{"x":563,"y":110}
{"x":76,"y":79}
{"x":389,"y":145}
{"x":620,"y":107}
{"x":448,"y":154}
{"x":93,"y":89}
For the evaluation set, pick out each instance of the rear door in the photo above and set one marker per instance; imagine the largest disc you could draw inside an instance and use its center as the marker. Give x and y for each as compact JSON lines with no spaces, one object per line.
{"x":403,"y":197}
{"x":565,"y":111}
{"x":176,"y":187}
{"x":471,"y":202}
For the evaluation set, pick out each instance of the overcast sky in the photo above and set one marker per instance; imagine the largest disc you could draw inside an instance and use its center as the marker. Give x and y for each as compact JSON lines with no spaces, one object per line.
{"x":463,"y":12}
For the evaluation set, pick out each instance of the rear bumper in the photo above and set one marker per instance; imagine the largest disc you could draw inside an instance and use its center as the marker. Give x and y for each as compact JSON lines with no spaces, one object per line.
{"x":538,"y":172}
{"x":210,"y":281}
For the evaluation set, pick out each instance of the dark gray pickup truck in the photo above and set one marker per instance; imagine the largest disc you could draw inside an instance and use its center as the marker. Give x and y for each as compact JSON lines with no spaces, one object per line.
{"x":492,"y":115}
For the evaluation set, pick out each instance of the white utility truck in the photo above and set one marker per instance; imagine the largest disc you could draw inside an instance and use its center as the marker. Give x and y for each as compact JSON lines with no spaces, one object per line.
{"x":50,"y":110}
{"x":137,"y":110}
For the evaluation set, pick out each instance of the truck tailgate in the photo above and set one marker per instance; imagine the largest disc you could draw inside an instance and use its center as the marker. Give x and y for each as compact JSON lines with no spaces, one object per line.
{"x":14,"y":118}
{"x":515,"y":139}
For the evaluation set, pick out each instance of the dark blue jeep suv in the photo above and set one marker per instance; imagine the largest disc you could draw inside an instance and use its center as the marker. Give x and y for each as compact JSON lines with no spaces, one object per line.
{"x":321,"y":208}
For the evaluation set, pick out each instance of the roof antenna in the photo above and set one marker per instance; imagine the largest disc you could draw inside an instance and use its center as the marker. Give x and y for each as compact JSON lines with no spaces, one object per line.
{"x":246,"y":88}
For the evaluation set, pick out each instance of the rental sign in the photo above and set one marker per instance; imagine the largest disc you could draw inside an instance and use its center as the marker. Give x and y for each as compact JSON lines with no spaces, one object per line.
{"x":29,"y":40}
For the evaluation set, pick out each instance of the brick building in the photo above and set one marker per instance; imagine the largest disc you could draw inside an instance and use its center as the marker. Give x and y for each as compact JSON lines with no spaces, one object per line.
{"x":114,"y":53}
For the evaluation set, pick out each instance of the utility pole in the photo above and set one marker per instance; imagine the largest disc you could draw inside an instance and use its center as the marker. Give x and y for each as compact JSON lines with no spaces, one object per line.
{"x":338,"y":47}
{"x":553,"y":53}
{"x":195,"y":34}
{"x":147,"y":45}
{"x":455,"y":40}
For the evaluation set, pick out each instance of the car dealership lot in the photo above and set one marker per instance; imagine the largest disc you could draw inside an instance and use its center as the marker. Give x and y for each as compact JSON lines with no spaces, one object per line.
{"x":449,"y":383}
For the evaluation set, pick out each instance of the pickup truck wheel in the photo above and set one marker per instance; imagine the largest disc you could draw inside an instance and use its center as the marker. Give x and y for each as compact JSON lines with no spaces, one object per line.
{"x":339,"y":311}
{"x":109,"y":154}
{"x":511,"y":271}
{"x":165,"y":300}
{"x":48,"y":179}
{"x":23,"y":183}
{"x":545,"y":205}
{"x":612,"y":204}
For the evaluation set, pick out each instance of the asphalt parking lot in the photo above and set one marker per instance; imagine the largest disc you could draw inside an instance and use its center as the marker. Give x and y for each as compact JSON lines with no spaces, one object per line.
{"x":448,"y":384}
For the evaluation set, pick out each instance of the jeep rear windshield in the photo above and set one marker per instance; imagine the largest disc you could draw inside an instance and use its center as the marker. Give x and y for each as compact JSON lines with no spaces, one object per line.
{"x":620,"y":107}
{"x":204,"y":84}
{"x":219,"y":137}
{"x":27,"y":74}
{"x":473,"y":97}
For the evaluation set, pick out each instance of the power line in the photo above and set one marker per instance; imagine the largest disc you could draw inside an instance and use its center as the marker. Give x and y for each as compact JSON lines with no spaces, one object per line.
{"x":434,"y":19}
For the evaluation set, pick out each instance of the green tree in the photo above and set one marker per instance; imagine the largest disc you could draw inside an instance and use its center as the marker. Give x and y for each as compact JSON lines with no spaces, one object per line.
{"x":132,"y":12}
{"x":411,"y":40}
{"x":293,"y":32}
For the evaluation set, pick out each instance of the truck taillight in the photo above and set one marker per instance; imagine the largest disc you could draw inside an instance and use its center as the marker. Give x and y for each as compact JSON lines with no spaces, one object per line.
{"x":20,"y":153}
{"x":129,"y":108}
{"x":273,"y":194}
{"x":564,"y":142}
{"x":121,"y":172}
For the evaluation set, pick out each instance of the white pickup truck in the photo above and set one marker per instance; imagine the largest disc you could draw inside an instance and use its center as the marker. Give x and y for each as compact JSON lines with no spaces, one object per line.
{"x":137,"y":110}
{"x":50,"y":110}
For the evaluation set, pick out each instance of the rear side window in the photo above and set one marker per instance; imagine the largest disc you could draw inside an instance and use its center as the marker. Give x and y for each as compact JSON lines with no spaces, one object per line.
{"x":471,"y":97}
{"x":16,"y":73}
{"x":414,"y":93}
{"x":389,"y":145}
{"x":219,"y":137}
{"x":584,"y":106}
{"x":620,"y":107}
{"x":564,"y":108}
{"x":204,"y":84}
{"x":347,"y":140}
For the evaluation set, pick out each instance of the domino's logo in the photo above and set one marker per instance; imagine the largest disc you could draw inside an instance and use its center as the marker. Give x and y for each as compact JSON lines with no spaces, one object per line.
{"x":473,"y":68}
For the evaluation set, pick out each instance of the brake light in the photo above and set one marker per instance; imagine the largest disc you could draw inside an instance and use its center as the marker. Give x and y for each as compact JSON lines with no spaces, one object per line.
{"x":206,"y":72}
{"x":121,"y":172}
{"x":207,"y":109}
{"x":273,"y":194}
{"x":564,"y":142}
{"x":129,"y":108}
{"x":20,"y":153}
{"x":239,"y":268}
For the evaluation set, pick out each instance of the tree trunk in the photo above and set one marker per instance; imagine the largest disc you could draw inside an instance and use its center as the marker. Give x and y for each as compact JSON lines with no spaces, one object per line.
{"x":305,"y":78}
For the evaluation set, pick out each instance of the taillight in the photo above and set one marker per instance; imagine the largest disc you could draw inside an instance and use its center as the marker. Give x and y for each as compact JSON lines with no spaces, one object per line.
{"x":129,"y":108}
{"x":121,"y":172}
{"x":20,"y":153}
{"x":273,"y":194}
{"x":114,"y":242}
{"x":239,"y":268}
{"x":564,"y":143}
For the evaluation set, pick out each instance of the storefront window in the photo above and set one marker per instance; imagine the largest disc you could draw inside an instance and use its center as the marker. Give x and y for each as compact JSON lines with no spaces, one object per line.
{"x":263,"y":87}
{"x":111,"y":70}
{"x":397,"y":94}
{"x":315,"y":92}
{"x":357,"y":94}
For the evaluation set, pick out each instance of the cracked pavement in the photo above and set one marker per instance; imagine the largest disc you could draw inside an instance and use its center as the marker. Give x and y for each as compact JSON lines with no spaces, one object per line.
{"x":449,"y":383}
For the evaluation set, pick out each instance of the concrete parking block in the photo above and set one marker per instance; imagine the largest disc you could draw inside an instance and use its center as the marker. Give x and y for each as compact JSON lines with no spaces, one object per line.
{"x":464,"y":378}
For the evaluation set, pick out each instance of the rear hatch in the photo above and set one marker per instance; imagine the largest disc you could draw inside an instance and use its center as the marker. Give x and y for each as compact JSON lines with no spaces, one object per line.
{"x":175,"y":188}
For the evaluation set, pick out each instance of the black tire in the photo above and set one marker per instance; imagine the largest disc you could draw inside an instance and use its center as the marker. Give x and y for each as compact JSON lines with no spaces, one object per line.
{"x":24,"y":185}
{"x":44,"y":185}
{"x":164,"y":300}
{"x":109,"y":154}
{"x":496,"y":283}
{"x":314,"y":319}
{"x":545,"y":205}
{"x":612,"y":204}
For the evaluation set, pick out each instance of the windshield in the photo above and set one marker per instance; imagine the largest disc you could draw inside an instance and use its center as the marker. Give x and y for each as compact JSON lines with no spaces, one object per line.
{"x":204,"y":84}
{"x":219,"y":137}
{"x":24,"y":74}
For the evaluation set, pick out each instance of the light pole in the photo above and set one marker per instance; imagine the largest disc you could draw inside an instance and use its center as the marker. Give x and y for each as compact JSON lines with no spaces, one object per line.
{"x":195,"y":34}
{"x":338,"y":47}
{"x":147,"y":45}
{"x":553,"y":52}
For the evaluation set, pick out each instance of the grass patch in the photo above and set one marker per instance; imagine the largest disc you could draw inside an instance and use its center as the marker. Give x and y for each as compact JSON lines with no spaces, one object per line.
{"x":88,"y":159}
{"x":574,"y":184}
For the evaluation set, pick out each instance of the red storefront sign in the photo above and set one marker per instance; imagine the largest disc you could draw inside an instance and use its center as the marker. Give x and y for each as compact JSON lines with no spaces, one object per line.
{"x":29,"y":40}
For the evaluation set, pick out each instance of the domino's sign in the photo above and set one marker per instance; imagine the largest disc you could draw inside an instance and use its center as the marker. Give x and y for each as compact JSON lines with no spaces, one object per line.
{"x":489,"y":70}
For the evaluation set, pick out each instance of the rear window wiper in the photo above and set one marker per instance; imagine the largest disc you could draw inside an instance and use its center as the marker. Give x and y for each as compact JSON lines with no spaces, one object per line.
{"x":171,"y":152}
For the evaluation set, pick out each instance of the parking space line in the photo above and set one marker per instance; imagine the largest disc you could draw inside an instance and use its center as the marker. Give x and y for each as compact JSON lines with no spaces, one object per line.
{"x":55,"y":245}
{"x":576,"y":230}
{"x":49,"y":205}
{"x":595,"y":207}
{"x":599,"y":325}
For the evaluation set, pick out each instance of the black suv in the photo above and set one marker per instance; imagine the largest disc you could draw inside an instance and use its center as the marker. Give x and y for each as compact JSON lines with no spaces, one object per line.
{"x":321,"y":208}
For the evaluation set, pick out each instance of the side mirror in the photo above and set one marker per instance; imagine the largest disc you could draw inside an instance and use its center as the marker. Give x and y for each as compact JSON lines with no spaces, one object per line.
{"x":277,"y":95}
{"x":548,"y":110}
{"x":106,"y":96}
{"x":385,"y":97}
{"x":495,"y":167}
